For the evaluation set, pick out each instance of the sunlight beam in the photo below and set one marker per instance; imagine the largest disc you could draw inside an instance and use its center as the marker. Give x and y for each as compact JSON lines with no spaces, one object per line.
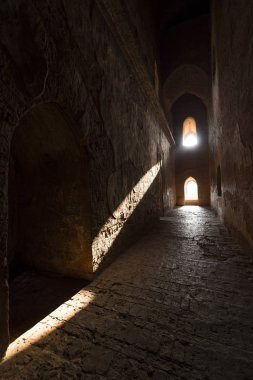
{"x":190,"y":140}
{"x":50,"y":323}
{"x":113,"y":226}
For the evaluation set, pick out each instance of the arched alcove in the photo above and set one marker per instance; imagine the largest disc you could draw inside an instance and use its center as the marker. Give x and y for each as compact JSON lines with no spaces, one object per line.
{"x":49,"y":205}
{"x":191,"y":191}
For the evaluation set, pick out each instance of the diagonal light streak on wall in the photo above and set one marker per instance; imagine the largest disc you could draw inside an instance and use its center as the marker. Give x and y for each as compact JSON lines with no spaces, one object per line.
{"x":108,"y":233}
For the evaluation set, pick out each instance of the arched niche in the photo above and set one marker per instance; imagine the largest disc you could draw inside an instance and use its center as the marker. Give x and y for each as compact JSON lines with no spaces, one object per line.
{"x":49,"y":196}
{"x":191,"y":191}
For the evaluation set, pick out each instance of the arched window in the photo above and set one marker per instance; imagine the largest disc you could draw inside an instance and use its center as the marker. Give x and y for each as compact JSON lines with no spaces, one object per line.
{"x":190,"y":189}
{"x":190,"y":137}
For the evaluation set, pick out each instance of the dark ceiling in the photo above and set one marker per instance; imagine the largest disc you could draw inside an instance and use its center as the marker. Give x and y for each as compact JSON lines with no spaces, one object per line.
{"x":170,"y":13}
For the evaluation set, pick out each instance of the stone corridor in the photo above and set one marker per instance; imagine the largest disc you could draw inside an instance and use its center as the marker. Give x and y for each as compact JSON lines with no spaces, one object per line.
{"x":177,"y":305}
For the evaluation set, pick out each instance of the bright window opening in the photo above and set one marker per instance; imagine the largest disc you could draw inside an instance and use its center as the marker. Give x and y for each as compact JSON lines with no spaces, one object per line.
{"x":190,"y":137}
{"x":191,"y":189}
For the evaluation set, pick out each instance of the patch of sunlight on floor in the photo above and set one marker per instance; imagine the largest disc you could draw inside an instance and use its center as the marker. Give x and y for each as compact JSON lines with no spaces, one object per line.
{"x":190,"y":208}
{"x":54,"y":320}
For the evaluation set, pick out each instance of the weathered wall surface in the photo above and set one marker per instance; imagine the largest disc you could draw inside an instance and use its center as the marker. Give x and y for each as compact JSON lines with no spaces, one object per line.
{"x":85,"y":58}
{"x":231,"y":132}
{"x":144,"y":31}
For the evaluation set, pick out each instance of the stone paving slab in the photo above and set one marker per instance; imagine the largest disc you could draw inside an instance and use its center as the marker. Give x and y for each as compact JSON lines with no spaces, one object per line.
{"x":177,"y":305}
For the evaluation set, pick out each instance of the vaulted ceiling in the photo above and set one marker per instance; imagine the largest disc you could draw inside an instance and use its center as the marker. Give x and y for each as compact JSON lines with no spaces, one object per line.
{"x":183,"y":31}
{"x":171,"y":13}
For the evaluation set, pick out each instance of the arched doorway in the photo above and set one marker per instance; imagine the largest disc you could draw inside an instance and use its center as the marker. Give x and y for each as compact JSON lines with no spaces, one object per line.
{"x":49,"y":202}
{"x":191,"y":191}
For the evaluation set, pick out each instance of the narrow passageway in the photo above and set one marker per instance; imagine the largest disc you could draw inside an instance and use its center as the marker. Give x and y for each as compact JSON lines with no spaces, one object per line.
{"x":177,"y":305}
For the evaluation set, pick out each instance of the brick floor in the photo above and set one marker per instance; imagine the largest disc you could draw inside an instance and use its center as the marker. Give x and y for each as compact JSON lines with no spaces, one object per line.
{"x":177,"y":305}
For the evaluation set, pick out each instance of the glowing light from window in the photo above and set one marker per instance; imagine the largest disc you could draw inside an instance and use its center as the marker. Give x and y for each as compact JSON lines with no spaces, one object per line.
{"x":191,"y":189}
{"x":190,"y":140}
{"x":190,"y":132}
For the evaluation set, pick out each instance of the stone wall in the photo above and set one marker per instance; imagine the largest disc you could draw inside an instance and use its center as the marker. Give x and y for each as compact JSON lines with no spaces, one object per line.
{"x":231,"y":132}
{"x":86,"y":59}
